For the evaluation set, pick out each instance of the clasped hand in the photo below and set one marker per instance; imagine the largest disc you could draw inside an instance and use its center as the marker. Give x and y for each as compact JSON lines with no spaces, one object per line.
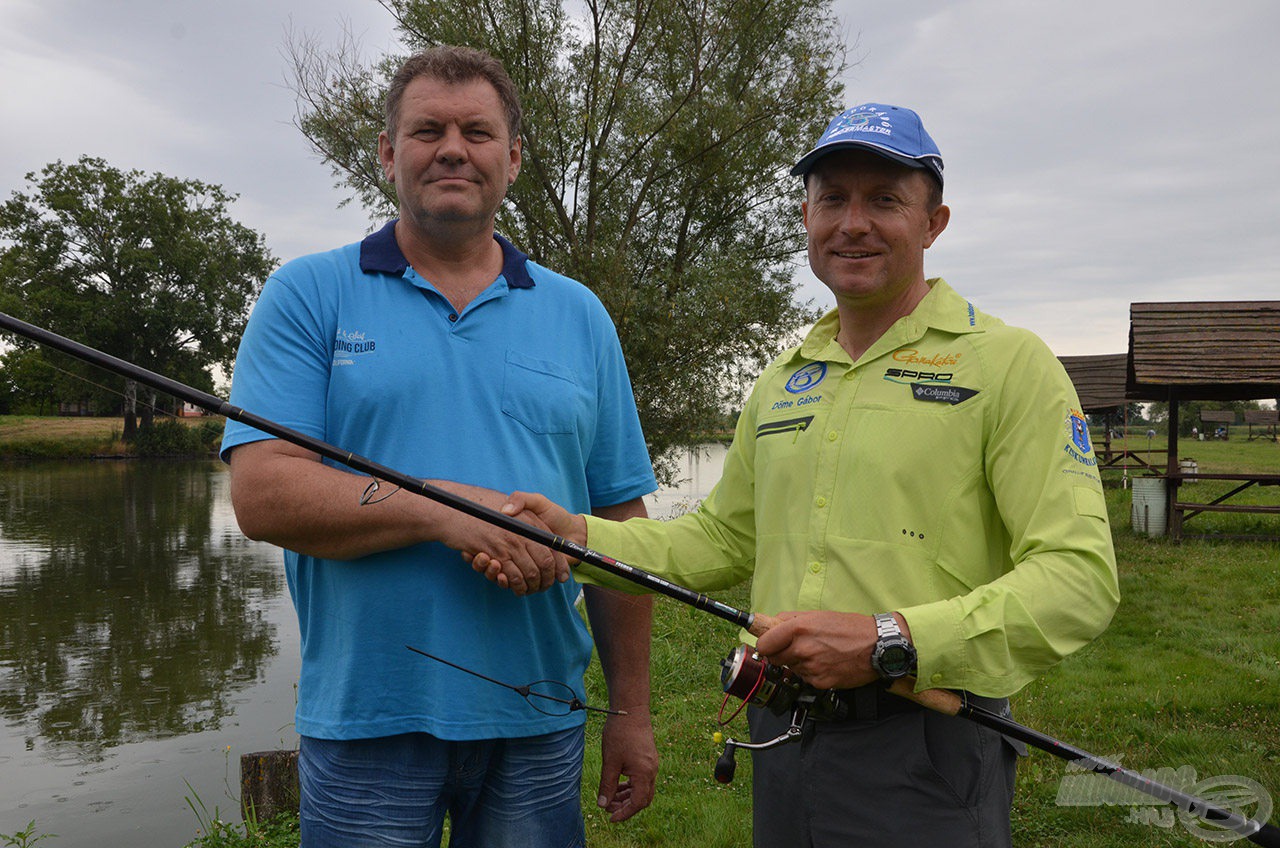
{"x":511,"y":561}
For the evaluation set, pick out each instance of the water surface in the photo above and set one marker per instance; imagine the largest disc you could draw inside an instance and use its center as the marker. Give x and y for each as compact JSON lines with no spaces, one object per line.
{"x":145,"y":645}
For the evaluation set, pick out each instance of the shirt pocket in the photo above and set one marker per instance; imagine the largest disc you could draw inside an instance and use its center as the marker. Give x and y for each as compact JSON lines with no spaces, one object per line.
{"x":540,"y":394}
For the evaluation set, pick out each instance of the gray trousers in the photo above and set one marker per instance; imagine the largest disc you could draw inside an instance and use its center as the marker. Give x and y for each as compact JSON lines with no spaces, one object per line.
{"x":906,"y":780}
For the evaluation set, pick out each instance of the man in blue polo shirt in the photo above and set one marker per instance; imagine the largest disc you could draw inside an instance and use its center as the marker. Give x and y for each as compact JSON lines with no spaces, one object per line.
{"x":436,"y":347}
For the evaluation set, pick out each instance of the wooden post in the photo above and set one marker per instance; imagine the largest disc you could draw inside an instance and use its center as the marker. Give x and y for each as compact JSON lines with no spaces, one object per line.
{"x":268,"y":784}
{"x":1171,"y":474}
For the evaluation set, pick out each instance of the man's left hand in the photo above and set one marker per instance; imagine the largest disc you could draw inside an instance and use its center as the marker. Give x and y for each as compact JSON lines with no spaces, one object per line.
{"x":830,"y":650}
{"x":629,"y":765}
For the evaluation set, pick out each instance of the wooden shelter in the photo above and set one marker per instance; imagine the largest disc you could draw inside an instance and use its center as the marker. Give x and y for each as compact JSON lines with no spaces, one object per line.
{"x":1223,"y":350}
{"x":1266,"y":420}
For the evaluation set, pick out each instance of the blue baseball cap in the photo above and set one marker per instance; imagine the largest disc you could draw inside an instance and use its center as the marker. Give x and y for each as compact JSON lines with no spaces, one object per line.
{"x":892,"y":131}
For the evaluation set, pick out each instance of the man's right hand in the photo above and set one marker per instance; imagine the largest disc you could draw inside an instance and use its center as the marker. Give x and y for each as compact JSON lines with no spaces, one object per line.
{"x":535,"y":509}
{"x":511,"y":561}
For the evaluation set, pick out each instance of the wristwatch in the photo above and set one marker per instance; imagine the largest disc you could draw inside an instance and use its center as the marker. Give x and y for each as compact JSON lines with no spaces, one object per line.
{"x":893,"y":656}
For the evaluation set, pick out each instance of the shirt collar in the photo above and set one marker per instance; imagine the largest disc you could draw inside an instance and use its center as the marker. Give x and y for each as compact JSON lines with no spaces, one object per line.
{"x":941,"y":309}
{"x":380,"y":254}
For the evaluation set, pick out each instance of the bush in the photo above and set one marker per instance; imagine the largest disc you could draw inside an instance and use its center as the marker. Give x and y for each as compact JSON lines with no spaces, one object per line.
{"x":168,"y":437}
{"x":210,"y":432}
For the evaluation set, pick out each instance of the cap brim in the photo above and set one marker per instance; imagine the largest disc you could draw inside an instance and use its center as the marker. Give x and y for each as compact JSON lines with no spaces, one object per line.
{"x":931,"y":164}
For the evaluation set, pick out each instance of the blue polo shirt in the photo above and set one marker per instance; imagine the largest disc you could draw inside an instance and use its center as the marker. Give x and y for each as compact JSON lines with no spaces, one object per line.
{"x":526,"y":388}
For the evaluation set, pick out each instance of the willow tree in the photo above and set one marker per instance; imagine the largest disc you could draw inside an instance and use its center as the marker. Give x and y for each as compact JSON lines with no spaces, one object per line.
{"x":657,"y":138}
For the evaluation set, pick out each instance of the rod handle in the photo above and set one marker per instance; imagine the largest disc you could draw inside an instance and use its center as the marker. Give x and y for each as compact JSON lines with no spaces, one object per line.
{"x":939,"y":700}
{"x":761,"y":624}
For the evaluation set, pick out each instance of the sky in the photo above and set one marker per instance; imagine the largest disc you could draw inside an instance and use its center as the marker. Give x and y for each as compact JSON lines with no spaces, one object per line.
{"x":1097,"y":153}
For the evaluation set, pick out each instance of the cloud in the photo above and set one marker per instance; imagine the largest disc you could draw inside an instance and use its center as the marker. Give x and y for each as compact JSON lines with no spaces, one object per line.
{"x":1098,"y":153}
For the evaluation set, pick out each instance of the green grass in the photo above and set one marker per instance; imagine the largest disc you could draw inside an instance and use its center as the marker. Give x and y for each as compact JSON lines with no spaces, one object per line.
{"x":1188,"y":675}
{"x":35,"y":437}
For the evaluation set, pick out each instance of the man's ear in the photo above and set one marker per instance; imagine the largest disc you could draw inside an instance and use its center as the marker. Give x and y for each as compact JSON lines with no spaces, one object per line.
{"x":387,"y":156}
{"x":938,"y":220}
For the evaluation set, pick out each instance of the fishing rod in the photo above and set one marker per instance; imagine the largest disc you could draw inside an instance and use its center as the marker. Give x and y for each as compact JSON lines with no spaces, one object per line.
{"x":754,"y":624}
{"x":776,"y":688}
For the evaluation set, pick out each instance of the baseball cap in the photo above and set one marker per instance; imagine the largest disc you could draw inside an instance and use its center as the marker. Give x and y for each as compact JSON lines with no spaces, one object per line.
{"x":891,"y":131}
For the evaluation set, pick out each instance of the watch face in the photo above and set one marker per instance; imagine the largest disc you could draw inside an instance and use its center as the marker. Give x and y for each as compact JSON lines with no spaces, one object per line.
{"x":895,"y":659}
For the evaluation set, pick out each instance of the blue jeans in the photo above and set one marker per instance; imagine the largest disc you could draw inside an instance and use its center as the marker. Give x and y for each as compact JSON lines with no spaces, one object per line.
{"x":396,"y":790}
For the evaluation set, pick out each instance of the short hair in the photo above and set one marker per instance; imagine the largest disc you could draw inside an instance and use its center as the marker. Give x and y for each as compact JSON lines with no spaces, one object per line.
{"x":935,"y":194}
{"x":453,"y":65}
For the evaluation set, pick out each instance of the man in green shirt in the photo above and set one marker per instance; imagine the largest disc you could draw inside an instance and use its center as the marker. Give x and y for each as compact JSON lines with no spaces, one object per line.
{"x":915,"y":473}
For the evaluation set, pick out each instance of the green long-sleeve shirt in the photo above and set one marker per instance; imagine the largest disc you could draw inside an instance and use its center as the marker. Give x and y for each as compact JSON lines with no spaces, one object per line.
{"x":947,"y":475}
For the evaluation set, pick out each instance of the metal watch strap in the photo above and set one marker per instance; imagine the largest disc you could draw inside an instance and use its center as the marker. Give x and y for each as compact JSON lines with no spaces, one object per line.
{"x":886,"y":625}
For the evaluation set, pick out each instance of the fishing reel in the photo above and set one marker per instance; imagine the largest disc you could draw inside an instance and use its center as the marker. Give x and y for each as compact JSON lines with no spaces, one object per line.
{"x":746,"y":675}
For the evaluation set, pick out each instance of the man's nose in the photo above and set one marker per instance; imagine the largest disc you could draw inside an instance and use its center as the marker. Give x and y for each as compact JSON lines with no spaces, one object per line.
{"x":453,"y":145}
{"x":854,"y":219}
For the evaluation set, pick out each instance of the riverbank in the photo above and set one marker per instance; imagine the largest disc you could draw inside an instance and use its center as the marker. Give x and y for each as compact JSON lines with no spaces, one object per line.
{"x":28,"y":437}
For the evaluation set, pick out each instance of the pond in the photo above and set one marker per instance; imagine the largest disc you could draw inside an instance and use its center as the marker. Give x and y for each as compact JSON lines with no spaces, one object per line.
{"x":145,"y":645}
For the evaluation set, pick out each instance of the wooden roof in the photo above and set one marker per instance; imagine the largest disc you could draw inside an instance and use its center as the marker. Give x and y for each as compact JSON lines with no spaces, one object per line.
{"x":1205,"y":350}
{"x":1099,"y":380}
{"x":1261,"y":416}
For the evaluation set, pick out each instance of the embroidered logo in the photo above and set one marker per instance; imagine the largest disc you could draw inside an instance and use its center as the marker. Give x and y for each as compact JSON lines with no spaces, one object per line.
{"x":941,"y":394}
{"x":1078,"y":434}
{"x":911,"y":356}
{"x":862,"y":119}
{"x":807,"y":378}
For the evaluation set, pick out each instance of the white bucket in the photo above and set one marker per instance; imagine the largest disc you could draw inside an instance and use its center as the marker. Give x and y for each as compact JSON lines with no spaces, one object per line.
{"x":1150,"y":513}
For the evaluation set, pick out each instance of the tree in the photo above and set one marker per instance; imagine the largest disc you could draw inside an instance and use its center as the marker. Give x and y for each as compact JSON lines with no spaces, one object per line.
{"x":149,"y":268}
{"x":657,"y":138}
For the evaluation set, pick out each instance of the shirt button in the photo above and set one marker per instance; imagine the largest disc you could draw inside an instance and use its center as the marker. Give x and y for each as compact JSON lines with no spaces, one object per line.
{"x":815,"y":567}
{"x":820,"y":502}
{"x":936,"y":678}
{"x":832,"y":436}
{"x":453,"y":316}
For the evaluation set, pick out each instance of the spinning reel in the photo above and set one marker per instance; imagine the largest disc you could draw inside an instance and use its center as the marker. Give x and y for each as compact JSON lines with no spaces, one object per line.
{"x":746,"y":675}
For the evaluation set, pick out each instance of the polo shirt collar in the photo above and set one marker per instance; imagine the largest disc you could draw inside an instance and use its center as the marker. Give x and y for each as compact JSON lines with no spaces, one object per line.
{"x":941,"y":309}
{"x":380,"y":254}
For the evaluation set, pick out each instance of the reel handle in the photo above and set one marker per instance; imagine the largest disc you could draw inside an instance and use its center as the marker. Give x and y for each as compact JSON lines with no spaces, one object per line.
{"x":726,"y":765}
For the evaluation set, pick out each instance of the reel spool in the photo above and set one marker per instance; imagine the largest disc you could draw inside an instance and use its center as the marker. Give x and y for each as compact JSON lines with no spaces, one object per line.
{"x":746,"y":675}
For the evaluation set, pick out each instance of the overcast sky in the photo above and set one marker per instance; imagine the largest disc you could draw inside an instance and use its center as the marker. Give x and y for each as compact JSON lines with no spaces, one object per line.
{"x":1098,"y":153}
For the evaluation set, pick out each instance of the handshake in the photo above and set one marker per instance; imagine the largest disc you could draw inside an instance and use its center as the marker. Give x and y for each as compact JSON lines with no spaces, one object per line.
{"x":525,"y":566}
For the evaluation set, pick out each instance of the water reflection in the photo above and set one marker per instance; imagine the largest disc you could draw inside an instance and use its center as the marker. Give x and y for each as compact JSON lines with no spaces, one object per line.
{"x":124,"y":616}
